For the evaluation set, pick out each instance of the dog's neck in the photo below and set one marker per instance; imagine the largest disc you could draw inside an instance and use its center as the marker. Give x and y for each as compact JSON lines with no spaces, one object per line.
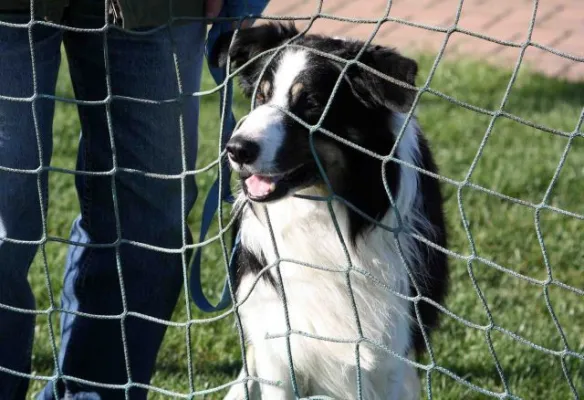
{"x":298,"y":226}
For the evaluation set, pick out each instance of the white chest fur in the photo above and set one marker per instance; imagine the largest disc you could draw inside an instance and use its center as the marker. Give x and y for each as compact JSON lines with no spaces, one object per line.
{"x":328,"y":296}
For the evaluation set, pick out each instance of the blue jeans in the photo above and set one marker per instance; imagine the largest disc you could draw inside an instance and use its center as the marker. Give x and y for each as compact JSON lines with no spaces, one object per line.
{"x":150,"y":209}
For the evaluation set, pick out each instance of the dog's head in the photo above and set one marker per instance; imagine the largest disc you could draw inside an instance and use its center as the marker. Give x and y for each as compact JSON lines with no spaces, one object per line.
{"x":271,"y":150}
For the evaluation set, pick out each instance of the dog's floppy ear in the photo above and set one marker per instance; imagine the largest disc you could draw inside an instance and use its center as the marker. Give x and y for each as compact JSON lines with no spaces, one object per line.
{"x":249,"y":43}
{"x":375,"y":91}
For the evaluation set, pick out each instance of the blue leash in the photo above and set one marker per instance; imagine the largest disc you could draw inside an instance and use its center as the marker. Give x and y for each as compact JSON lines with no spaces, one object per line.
{"x":223,"y":193}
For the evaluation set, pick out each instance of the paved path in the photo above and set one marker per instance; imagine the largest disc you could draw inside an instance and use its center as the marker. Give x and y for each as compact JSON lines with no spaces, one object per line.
{"x":559,"y":25}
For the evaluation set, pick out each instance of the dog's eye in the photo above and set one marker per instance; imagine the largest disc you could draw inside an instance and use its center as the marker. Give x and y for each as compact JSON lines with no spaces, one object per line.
{"x":297,"y":93}
{"x":305,"y":100}
{"x":260,"y":98}
{"x":263,"y":92}
{"x":302,"y":99}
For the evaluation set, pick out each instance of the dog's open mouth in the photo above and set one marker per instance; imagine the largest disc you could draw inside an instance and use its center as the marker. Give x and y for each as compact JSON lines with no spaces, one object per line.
{"x":264,"y":188}
{"x":259,"y":186}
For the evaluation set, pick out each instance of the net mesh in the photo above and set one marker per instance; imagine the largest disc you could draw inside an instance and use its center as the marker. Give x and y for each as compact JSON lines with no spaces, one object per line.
{"x":471,"y":259}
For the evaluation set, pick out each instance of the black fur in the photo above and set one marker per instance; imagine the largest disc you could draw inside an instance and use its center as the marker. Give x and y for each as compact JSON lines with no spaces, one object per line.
{"x":248,"y":263}
{"x":435,"y":285}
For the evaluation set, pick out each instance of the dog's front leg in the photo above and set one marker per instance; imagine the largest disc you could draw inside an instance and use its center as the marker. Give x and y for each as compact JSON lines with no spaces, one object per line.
{"x":271,"y":367}
{"x":237,"y":391}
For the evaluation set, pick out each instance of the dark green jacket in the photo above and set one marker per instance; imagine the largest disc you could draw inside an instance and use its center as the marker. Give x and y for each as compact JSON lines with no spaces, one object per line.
{"x":133,"y":13}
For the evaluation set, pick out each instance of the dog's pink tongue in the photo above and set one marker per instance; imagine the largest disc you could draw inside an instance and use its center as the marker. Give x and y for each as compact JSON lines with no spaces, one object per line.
{"x":259,"y":186}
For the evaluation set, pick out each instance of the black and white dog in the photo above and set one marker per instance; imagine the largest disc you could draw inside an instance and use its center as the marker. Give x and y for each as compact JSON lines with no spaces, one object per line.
{"x":273,"y":155}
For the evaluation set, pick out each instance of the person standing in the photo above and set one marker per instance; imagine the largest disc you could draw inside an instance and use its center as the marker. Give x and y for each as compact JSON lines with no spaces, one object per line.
{"x":112,"y":72}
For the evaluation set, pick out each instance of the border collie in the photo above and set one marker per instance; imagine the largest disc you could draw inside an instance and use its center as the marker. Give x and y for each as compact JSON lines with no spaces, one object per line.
{"x":330,"y":272}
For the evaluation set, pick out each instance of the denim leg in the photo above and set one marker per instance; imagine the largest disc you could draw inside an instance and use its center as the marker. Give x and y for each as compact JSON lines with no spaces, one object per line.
{"x":150,"y":209}
{"x":20,"y":203}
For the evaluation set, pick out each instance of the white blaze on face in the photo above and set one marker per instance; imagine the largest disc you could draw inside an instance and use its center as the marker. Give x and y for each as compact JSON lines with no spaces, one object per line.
{"x":291,"y":65}
{"x":264,"y":125}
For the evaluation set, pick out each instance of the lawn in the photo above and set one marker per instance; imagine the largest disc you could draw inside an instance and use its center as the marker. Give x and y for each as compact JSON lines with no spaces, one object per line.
{"x":517,"y":160}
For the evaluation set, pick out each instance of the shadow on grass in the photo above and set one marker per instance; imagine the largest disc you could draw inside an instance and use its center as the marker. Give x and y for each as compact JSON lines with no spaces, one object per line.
{"x":516,"y":372}
{"x":539,"y":93}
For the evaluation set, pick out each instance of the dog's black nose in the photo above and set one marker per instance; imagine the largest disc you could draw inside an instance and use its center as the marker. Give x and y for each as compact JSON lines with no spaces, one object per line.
{"x":242,"y":151}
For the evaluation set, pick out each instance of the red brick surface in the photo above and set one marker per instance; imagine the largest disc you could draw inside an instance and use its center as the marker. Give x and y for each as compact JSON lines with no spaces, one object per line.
{"x":559,"y":24}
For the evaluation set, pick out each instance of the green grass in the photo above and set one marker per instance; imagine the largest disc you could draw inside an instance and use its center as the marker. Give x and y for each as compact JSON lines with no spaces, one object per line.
{"x":517,"y":161}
